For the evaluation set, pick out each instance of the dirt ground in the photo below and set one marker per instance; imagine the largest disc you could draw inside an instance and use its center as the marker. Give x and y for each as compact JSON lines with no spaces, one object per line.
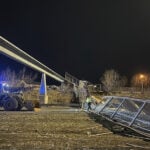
{"x":62,"y":128}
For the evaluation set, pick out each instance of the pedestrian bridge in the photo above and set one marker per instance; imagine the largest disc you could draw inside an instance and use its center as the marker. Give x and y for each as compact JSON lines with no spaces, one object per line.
{"x":128,"y":112}
{"x":124,"y":111}
{"x":15,"y":53}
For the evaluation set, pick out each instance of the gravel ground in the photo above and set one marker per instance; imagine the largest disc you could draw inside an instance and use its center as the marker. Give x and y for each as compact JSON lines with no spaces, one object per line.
{"x":59,"y":128}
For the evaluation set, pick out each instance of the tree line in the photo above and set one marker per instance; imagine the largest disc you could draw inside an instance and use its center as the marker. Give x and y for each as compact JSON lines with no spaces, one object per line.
{"x":111,"y":80}
{"x":18,"y":79}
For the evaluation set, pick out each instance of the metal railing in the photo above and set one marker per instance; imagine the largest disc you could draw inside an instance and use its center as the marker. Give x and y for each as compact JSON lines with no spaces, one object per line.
{"x":133,"y":113}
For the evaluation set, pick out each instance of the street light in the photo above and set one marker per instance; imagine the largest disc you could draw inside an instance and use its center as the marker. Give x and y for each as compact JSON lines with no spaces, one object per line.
{"x":142,"y":82}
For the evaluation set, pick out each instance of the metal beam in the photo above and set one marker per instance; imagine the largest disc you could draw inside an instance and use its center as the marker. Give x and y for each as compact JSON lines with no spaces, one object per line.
{"x":118,"y":108}
{"x":12,"y":51}
{"x":139,"y":111}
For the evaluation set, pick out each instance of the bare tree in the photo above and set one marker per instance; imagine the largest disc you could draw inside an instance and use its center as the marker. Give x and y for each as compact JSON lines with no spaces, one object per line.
{"x":18,"y":79}
{"x":8,"y":76}
{"x":112,"y":80}
{"x":123,"y":81}
{"x":23,"y":75}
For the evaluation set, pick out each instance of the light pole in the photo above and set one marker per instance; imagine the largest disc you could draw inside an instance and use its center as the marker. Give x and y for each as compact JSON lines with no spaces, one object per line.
{"x":142,"y":82}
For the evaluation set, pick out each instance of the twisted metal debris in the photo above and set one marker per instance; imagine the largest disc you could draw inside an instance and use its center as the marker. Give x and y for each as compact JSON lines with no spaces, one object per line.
{"x":128,"y":112}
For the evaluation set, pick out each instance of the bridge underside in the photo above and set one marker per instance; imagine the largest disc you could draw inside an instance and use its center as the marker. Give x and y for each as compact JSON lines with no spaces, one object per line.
{"x":13,"y":52}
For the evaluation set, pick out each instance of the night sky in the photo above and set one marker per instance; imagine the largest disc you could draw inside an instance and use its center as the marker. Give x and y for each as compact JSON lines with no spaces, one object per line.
{"x":82,"y":37}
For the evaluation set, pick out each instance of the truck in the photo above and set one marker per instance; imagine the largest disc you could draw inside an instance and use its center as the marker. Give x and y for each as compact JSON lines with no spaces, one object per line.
{"x":11,"y":98}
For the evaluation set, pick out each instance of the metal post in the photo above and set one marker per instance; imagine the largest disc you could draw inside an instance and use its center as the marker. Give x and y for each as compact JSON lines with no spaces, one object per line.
{"x":117,"y":108}
{"x":142,"y":88}
{"x":43,"y":91}
{"x":142,"y":78}
{"x":141,"y":108}
{"x":105,"y":105}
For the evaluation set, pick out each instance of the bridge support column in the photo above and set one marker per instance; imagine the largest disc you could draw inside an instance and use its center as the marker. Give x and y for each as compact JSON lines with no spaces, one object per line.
{"x":43,"y":90}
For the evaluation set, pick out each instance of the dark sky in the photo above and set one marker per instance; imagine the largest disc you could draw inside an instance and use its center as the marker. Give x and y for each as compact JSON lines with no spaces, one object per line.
{"x":82,"y":37}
